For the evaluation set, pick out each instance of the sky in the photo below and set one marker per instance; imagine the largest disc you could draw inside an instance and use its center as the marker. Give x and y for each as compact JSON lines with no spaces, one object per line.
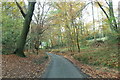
{"x":97,"y":10}
{"x":88,"y":17}
{"x":115,"y":2}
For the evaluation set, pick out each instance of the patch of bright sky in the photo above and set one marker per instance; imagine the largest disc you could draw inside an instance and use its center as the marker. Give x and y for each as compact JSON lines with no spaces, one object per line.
{"x":115,"y":4}
{"x":87,"y":17}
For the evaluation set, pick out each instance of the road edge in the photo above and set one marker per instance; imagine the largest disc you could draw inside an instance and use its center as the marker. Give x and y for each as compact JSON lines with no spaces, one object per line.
{"x":85,"y":74}
{"x":46,"y":66}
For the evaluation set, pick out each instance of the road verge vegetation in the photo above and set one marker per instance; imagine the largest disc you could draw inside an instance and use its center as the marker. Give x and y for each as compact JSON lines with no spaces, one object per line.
{"x":98,"y":62}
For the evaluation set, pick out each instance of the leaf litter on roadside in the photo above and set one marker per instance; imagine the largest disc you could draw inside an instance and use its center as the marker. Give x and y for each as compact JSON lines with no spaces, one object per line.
{"x":17,"y":67}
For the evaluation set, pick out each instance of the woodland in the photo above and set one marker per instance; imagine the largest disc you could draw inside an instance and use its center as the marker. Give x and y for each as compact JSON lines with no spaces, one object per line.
{"x":87,"y":31}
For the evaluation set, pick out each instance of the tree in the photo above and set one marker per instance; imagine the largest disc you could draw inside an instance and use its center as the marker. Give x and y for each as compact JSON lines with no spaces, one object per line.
{"x":26,"y":25}
{"x":67,"y":17}
{"x":11,"y":26}
{"x":40,"y":18}
{"x":111,"y":18}
{"x":119,"y":27}
{"x":93,"y":19}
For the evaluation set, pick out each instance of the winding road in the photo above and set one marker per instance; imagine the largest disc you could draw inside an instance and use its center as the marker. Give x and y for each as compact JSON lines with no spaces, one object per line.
{"x":59,"y":67}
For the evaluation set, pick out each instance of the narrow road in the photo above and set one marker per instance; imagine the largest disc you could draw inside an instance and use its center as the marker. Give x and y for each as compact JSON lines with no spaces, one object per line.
{"x":60,"y":67}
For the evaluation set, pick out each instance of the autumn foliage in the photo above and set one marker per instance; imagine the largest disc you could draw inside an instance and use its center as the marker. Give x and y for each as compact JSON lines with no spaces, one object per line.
{"x":17,"y":67}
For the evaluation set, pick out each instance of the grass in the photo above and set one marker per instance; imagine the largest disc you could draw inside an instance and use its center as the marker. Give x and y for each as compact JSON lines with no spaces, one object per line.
{"x":102,"y":56}
{"x":59,"y":50}
{"x":106,"y":55}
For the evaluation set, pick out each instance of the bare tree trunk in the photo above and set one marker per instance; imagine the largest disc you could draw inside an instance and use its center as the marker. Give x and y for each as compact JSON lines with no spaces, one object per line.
{"x":21,"y":42}
{"x":37,"y":43}
{"x":77,"y":36}
{"x":93,"y":21}
{"x":112,"y":17}
{"x":119,"y":30}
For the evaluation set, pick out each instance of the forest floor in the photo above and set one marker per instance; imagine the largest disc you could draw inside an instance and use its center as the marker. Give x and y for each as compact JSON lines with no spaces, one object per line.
{"x":99,"y":62}
{"x":93,"y":71}
{"x":30,"y":67}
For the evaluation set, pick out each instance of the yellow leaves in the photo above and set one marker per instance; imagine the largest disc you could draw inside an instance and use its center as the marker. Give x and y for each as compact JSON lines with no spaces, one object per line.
{"x":14,"y":11}
{"x":69,"y":9}
{"x":105,"y":28}
{"x":65,"y":12}
{"x":21,"y":3}
{"x":17,"y":67}
{"x":12,"y":4}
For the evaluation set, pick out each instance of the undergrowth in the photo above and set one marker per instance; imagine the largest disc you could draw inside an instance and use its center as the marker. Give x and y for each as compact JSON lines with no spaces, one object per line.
{"x":104,"y":56}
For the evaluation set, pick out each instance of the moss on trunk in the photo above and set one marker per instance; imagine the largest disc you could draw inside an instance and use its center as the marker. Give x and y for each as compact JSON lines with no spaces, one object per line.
{"x":21,"y":42}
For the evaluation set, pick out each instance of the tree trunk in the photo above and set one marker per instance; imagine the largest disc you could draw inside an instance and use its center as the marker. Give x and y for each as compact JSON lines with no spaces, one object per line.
{"x":21,"y":42}
{"x":119,"y":31}
{"x":112,"y":17}
{"x":93,"y":22}
{"x":78,"y":45}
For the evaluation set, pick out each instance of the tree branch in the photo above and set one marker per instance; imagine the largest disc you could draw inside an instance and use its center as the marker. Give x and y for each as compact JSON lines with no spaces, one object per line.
{"x":44,"y":30}
{"x":103,"y":10}
{"x":107,"y":3}
{"x":45,"y":15}
{"x":20,"y":8}
{"x":82,"y":8}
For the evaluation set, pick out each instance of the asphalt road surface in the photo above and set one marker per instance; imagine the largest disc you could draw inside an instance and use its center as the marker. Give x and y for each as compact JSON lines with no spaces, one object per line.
{"x":60,"y":67}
